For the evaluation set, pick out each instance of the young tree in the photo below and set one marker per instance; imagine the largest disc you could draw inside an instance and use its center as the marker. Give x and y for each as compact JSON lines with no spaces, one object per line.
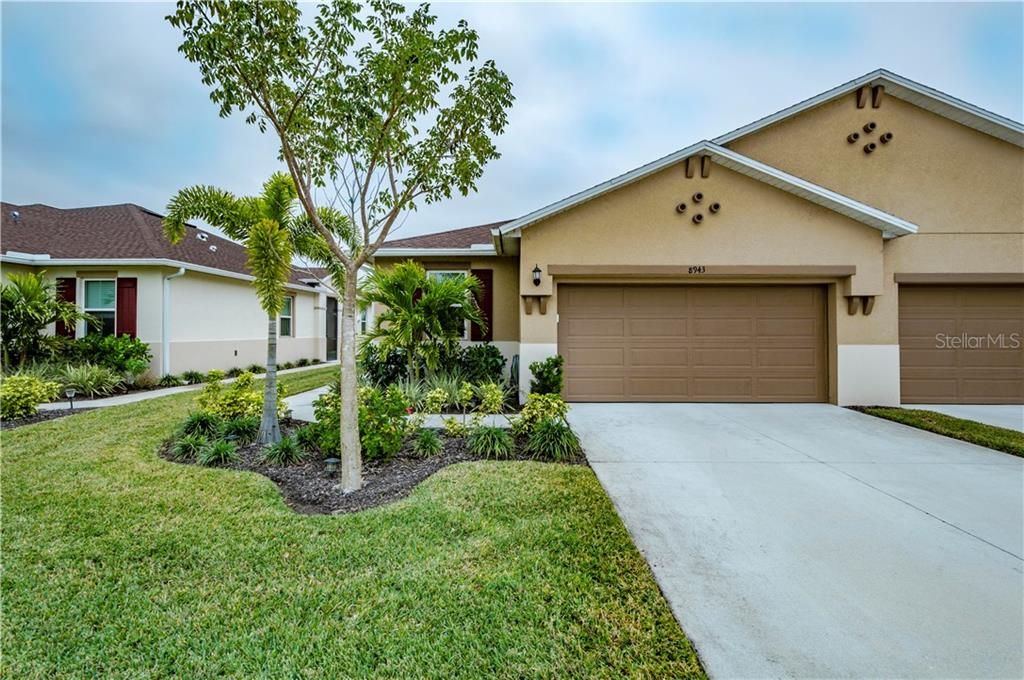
{"x":273,"y":231}
{"x":28,"y":304}
{"x":422,"y":316}
{"x":378,"y":104}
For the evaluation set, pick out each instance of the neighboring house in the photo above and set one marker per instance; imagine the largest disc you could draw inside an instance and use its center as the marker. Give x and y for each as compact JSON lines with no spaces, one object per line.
{"x":865,"y":246}
{"x":192,"y":302}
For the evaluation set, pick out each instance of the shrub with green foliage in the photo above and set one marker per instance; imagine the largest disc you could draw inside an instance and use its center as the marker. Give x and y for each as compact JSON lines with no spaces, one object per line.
{"x":414,"y":392}
{"x":483,"y":363}
{"x":28,"y":304}
{"x":547,"y":375}
{"x":285,"y":452}
{"x":435,"y":400}
{"x":288,"y":365}
{"x":553,"y":440}
{"x":188,"y":446}
{"x":490,"y":399}
{"x":538,"y":408}
{"x":170,"y":380}
{"x":302,"y":362}
{"x":382,"y":421}
{"x":91,"y":380}
{"x":217,"y":452}
{"x":382,"y":368}
{"x":234,"y":372}
{"x":453,"y":427}
{"x":243,"y":397}
{"x":427,"y":443}
{"x":193,"y":377}
{"x":242,"y":429}
{"x":308,"y":437}
{"x":316,"y":362}
{"x":201,"y":422}
{"x":122,"y":353}
{"x":216,"y":375}
{"x":448,"y":383}
{"x":491,"y":442}
{"x":20,"y":395}
{"x":256,"y":369}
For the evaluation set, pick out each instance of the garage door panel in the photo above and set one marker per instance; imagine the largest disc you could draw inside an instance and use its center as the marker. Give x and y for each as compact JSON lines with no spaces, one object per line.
{"x":950,"y":345}
{"x":694,"y":343}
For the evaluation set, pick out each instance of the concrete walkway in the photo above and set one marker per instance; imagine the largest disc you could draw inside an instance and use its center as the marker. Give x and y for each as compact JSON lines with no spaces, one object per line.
{"x":999,"y":415}
{"x":143,"y":395}
{"x":301,"y":406}
{"x":815,"y":541}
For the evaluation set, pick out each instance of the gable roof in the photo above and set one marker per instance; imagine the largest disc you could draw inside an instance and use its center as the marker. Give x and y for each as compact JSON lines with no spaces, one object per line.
{"x":125,"y":233}
{"x":919,"y":95}
{"x":466,"y":237}
{"x":889,"y":225}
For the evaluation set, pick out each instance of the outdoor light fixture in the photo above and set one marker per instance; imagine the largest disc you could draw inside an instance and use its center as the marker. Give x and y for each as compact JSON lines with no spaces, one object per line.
{"x":332,"y":466}
{"x":70,"y":394}
{"x":536,"y":275}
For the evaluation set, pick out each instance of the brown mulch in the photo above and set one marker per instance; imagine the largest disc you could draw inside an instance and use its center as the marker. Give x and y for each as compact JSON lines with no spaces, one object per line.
{"x":40,"y":417}
{"x":309,"y":490}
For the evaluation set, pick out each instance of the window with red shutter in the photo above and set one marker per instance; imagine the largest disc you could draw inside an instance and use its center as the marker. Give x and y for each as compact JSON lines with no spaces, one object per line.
{"x":486,"y":301}
{"x":66,"y":291}
{"x":127,"y":306}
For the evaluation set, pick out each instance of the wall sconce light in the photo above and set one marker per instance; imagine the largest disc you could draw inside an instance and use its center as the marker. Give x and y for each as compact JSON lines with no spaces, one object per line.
{"x":536,"y":275}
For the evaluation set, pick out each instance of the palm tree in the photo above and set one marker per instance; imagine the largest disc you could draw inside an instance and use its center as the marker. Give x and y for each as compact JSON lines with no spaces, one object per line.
{"x":270,"y":226}
{"x":423,"y":316}
{"x":28,"y":304}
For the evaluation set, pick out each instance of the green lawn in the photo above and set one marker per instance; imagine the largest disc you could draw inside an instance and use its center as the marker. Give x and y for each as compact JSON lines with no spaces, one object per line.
{"x":998,"y":438}
{"x":117,"y":563}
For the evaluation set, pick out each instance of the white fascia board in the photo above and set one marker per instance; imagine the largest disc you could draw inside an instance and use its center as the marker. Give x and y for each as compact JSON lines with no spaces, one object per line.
{"x":436,"y":252}
{"x":37,"y":259}
{"x":919,"y":95}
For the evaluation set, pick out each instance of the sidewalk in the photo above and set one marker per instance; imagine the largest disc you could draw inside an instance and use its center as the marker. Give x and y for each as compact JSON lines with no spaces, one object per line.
{"x":143,"y":395}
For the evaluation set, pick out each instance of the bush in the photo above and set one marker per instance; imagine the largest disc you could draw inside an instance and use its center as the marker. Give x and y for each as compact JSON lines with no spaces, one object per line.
{"x":317,"y":362}
{"x":553,"y":440}
{"x":214,"y":376}
{"x":201,"y":422}
{"x":20,"y":395}
{"x":413,"y":391}
{"x":193,"y":377}
{"x":143,"y":382}
{"x":382,"y":368}
{"x":285,"y":452}
{"x":286,"y":366}
{"x":453,"y":427}
{"x":122,"y":353}
{"x":538,"y":408}
{"x":490,"y":398}
{"x":44,"y":371}
{"x":256,"y":369}
{"x":188,"y":446}
{"x":308,"y":437}
{"x":447,"y":384}
{"x":218,"y":452}
{"x":302,"y":362}
{"x":170,"y":380}
{"x":382,"y":421}
{"x":234,"y":372}
{"x":491,"y":442}
{"x":244,"y":397}
{"x":483,"y":363}
{"x":242,"y":429}
{"x":427,"y":443}
{"x":547,"y":375}
{"x":91,"y":380}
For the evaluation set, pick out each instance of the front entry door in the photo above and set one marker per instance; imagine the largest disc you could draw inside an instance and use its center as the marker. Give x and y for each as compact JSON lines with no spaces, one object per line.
{"x":332,"y":329}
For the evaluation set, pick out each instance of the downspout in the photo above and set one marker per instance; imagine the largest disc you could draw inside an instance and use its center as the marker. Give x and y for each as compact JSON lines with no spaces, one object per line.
{"x":165,"y":323}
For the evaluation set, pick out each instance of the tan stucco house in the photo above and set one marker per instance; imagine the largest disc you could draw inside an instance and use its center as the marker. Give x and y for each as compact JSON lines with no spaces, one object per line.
{"x":865,"y":246}
{"x":192,"y":302}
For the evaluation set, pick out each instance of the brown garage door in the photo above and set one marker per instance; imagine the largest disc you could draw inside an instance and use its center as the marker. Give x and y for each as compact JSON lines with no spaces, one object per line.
{"x":693,"y":343}
{"x":961,"y":344}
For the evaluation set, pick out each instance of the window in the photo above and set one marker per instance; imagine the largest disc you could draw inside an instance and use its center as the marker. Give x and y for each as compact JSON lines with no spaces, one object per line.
{"x":440,"y":275}
{"x":101,"y":302}
{"x":364,"y":321}
{"x":285,"y":322}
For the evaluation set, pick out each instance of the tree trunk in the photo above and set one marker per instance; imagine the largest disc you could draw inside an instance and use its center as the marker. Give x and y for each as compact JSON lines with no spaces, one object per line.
{"x":351,"y":456}
{"x":270,"y":428}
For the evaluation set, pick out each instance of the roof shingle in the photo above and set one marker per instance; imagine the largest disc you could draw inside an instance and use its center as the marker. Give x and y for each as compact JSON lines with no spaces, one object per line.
{"x":453,"y":238}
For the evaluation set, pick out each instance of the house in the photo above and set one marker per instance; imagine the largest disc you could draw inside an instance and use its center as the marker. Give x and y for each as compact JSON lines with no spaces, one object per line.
{"x":865,"y":246}
{"x":192,"y":302}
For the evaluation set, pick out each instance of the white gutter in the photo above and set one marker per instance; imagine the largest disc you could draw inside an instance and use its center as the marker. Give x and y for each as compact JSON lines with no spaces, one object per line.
{"x":165,"y":324}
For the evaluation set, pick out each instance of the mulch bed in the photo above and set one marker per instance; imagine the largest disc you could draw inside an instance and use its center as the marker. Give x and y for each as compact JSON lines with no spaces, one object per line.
{"x":309,"y":490}
{"x":40,"y":417}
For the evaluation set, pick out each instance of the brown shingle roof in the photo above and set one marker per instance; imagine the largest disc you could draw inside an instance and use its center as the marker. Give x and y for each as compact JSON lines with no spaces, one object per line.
{"x":454,"y":238}
{"x":124,"y":231}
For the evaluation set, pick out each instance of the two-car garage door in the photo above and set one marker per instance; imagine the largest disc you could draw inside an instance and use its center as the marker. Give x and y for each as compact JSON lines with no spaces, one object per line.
{"x":694,"y":343}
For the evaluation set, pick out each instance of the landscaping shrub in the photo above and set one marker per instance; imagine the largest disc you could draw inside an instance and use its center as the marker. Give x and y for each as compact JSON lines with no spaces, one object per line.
{"x":20,"y":395}
{"x":453,"y":427}
{"x":490,"y":398}
{"x":244,"y":397}
{"x":427,"y":443}
{"x":213,"y":376}
{"x":90,"y":380}
{"x":547,"y":375}
{"x":448,"y":383}
{"x":491,"y":442}
{"x":287,"y":365}
{"x":483,"y":363}
{"x":302,"y":362}
{"x":382,"y":421}
{"x":141,"y":382}
{"x":122,"y":353}
{"x":414,"y":392}
{"x":553,"y":440}
{"x":217,"y":452}
{"x":234,"y":372}
{"x":435,"y":400}
{"x":42,"y":370}
{"x":28,"y":304}
{"x":201,"y":422}
{"x":317,"y":362}
{"x":382,"y":368}
{"x":285,"y":452}
{"x":242,"y":429}
{"x":256,"y":369}
{"x":308,"y":437}
{"x":171,"y":380}
{"x":538,"y":408}
{"x":188,"y":446}
{"x":193,"y":377}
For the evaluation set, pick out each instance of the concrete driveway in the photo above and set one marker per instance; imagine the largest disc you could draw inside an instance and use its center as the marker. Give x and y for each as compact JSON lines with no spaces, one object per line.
{"x":814,"y":541}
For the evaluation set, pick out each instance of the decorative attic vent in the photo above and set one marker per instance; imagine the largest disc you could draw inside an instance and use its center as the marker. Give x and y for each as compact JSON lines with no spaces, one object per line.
{"x":201,"y":236}
{"x":213,"y":249}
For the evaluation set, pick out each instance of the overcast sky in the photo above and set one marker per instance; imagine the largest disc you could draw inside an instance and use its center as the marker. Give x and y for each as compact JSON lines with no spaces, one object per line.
{"x":98,"y":107}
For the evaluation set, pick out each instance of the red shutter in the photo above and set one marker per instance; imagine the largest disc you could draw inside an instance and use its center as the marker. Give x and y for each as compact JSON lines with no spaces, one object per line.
{"x":486,"y":302}
{"x":127,"y":305}
{"x":66,"y":292}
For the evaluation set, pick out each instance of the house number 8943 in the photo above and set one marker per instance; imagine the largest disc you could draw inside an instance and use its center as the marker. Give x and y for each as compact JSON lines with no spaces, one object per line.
{"x":698,"y":269}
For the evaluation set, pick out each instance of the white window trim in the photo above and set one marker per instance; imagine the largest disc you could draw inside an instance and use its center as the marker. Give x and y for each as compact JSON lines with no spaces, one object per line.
{"x":82,"y":328}
{"x":365,"y":320}
{"x":290,"y":317}
{"x":465,"y":272}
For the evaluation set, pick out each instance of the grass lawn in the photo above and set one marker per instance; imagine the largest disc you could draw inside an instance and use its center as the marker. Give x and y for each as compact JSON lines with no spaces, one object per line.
{"x":998,"y":438}
{"x":117,"y":563}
